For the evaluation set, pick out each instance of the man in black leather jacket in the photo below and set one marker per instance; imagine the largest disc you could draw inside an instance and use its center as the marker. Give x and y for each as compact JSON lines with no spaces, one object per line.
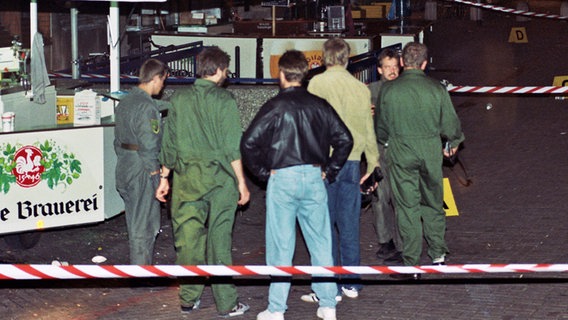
{"x":288,"y":143}
{"x":295,"y":128}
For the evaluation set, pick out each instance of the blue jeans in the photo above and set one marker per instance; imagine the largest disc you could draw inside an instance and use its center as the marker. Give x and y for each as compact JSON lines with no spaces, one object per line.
{"x":297,"y":192}
{"x":344,"y":199}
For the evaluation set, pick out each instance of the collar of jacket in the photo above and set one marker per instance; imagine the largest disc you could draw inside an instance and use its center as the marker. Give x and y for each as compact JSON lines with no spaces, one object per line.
{"x":292,"y":88}
{"x":204,"y":82}
{"x":412,"y":71}
{"x":336,"y":69}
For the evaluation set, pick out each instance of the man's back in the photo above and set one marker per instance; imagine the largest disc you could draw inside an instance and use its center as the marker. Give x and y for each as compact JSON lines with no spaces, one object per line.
{"x":415,"y":106}
{"x":352,"y":101}
{"x":304,"y":121}
{"x":348,"y":96}
{"x":294,"y":128}
{"x":201,"y":137}
{"x":207,"y":117}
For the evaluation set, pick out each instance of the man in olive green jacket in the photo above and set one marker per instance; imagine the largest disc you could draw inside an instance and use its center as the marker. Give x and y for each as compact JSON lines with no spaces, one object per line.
{"x":351,"y":99}
{"x":201,"y":142}
{"x":416,"y":112}
{"x":137,"y":140}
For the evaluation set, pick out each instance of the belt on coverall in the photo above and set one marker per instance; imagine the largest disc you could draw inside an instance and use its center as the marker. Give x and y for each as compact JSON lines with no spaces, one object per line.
{"x":127,"y":146}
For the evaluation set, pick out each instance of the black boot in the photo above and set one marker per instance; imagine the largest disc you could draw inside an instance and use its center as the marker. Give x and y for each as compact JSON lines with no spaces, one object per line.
{"x":388,"y":252}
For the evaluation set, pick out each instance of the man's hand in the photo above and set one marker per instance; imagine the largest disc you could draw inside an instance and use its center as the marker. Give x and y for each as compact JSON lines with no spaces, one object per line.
{"x":367,"y":175}
{"x":450,"y":153}
{"x":244,"y":194}
{"x":163,"y":190}
{"x":369,"y":189}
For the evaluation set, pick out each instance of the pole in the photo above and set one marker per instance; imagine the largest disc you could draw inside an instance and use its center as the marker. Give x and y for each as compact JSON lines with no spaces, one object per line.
{"x":114,"y":44}
{"x":76,"y":72}
{"x":273,"y":21}
{"x":33,"y":20}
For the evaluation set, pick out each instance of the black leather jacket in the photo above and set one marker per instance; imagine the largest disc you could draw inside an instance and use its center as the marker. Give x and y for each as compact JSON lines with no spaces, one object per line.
{"x":295,"y":128}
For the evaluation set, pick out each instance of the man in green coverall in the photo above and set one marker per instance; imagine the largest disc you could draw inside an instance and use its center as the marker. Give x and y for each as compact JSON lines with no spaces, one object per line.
{"x":201,"y":142}
{"x":137,"y":145}
{"x":415,"y":113}
{"x":386,"y":227}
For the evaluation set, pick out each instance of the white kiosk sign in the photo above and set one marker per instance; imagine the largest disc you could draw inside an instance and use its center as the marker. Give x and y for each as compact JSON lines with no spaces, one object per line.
{"x":51,"y":180}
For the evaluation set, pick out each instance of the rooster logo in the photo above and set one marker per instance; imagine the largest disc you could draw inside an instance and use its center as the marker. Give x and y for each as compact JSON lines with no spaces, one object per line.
{"x":28,"y":168}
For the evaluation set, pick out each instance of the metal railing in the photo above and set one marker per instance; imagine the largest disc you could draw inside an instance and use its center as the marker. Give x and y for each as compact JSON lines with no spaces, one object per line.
{"x":179,"y":59}
{"x":182,"y":63}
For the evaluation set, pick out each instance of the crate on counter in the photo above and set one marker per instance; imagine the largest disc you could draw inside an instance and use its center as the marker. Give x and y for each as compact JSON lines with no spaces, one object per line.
{"x":376,"y":10}
{"x":358,"y":14}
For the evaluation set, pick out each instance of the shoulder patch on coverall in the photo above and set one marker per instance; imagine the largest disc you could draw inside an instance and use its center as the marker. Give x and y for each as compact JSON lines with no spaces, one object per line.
{"x":155,"y":123}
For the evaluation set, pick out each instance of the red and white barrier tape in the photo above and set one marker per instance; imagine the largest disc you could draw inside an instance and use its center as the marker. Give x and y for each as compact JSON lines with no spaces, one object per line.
{"x":512,"y":11}
{"x":40,"y":271}
{"x":90,"y":76}
{"x":508,"y":90}
{"x":450,"y":87}
{"x":100,"y":76}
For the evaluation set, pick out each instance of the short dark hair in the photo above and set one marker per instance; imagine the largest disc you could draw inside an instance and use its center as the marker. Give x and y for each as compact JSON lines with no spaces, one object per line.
{"x":210,"y":59}
{"x":414,"y":54}
{"x":336,"y":52}
{"x":387,"y":53}
{"x":294,"y":65}
{"x":151,"y":68}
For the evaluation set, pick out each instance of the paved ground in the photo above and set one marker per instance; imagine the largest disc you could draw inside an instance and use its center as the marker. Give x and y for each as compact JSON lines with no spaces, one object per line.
{"x":514,"y":212}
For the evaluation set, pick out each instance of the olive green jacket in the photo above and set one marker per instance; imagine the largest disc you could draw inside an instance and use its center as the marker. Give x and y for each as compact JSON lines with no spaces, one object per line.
{"x":351,"y":100}
{"x":415,"y":108}
{"x":138,"y":123}
{"x":202,"y":133}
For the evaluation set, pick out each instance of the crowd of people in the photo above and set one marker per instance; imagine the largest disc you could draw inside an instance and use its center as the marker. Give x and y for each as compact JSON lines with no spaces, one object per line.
{"x":307,"y":144}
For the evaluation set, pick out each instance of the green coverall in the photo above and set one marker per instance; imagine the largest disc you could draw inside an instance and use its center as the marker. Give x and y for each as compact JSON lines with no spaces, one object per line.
{"x":415,"y":112}
{"x":201,"y":138}
{"x":386,"y":226}
{"x":138,"y":134}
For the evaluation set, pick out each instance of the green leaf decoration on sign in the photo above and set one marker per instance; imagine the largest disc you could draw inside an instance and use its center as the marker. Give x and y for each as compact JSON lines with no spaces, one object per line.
{"x":6,"y":166}
{"x":60,"y":166}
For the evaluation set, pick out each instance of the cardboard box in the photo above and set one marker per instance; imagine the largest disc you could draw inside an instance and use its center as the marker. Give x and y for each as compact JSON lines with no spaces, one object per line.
{"x":64,"y":109}
{"x":375,"y":11}
{"x":358,"y":14}
{"x":188,"y":18}
{"x":87,"y":108}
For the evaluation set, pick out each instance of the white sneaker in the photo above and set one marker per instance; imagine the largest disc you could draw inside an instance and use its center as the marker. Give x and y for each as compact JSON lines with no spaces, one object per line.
{"x":350,"y":292}
{"x":311,"y":297}
{"x":238,"y":310}
{"x":440,"y":260}
{"x":267,"y":315}
{"x":326,"y":313}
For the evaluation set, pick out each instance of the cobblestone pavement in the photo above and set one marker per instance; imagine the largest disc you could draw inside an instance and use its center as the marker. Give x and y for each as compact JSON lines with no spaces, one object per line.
{"x":514,"y":212}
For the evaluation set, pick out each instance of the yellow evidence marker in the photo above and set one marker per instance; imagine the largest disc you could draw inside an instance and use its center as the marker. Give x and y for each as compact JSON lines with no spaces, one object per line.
{"x":518,"y":35}
{"x":449,"y":203}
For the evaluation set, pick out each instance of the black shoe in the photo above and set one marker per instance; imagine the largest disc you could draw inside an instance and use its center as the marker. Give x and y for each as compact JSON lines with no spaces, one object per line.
{"x":190,"y":308}
{"x":387,"y":251}
{"x":395,"y":259}
{"x":405,"y":276}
